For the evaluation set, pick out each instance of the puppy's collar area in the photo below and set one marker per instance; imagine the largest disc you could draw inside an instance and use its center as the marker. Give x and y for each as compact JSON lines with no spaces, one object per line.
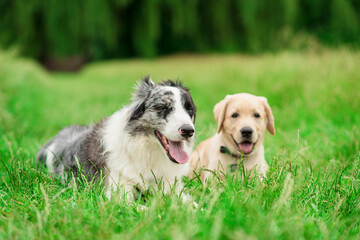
{"x":233,"y":166}
{"x":225,"y":150}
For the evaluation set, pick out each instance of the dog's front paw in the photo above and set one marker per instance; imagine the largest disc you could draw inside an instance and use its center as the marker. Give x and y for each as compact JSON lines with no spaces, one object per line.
{"x":188,"y":199}
{"x":141,"y":208}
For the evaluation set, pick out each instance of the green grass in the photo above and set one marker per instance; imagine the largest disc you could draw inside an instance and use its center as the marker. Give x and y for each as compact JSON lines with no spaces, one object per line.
{"x":313,"y":186}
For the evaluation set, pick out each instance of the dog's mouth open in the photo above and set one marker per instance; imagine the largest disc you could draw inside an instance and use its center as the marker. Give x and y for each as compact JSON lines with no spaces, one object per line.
{"x":245,"y":147}
{"x":174,"y":150}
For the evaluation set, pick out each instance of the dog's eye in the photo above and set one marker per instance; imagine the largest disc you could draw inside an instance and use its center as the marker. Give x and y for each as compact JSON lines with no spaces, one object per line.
{"x":189,"y":108}
{"x":161,"y":108}
{"x":234,"y":115}
{"x":256,"y":115}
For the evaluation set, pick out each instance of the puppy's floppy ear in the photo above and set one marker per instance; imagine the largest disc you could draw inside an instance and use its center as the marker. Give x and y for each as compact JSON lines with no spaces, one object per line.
{"x":219,"y":112}
{"x":270,"y":125}
{"x":142,"y":92}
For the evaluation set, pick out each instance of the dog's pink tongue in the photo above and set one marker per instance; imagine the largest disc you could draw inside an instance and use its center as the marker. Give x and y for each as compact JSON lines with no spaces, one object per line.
{"x":246,"y":147}
{"x":177,"y":152}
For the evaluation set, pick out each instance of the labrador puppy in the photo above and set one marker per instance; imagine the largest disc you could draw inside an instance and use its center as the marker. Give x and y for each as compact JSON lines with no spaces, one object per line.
{"x":242,"y":121}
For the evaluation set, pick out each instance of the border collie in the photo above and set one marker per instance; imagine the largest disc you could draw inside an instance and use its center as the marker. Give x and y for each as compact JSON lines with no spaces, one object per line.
{"x":144,"y":143}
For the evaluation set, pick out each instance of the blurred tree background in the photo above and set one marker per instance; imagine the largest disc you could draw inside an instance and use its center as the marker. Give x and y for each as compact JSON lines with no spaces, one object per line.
{"x":103,"y":29}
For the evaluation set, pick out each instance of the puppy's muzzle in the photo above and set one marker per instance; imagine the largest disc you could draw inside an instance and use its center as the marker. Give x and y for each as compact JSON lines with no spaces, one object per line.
{"x":246,"y":132}
{"x":186,"y":131}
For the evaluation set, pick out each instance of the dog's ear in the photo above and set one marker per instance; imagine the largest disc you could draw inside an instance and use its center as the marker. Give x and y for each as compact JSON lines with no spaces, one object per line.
{"x":138,"y":111}
{"x":219,"y":112}
{"x":270,"y":125}
{"x":143,"y":89}
{"x":142,"y":92}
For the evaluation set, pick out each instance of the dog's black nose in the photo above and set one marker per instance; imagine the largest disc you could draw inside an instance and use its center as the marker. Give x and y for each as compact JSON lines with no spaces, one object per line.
{"x":246,"y":131}
{"x":186,"y":130}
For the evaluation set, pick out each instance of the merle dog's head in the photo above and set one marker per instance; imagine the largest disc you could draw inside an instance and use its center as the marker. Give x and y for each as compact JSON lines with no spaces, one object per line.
{"x":165,"y":112}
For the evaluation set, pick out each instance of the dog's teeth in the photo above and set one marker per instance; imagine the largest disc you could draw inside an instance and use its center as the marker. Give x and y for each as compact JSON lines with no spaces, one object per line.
{"x":166,"y":144}
{"x":165,"y":140}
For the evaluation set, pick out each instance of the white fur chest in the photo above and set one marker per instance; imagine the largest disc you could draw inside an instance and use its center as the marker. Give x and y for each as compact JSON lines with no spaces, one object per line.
{"x":136,"y":161}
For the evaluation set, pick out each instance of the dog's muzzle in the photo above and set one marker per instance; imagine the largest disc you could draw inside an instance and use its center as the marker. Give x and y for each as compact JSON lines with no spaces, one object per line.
{"x":186,"y":131}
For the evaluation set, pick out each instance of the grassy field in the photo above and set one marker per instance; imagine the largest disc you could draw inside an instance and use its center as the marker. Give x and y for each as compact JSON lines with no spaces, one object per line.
{"x":313,"y":186}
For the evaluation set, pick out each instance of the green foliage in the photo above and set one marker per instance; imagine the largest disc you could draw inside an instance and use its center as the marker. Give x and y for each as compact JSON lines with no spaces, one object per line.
{"x":145,"y":28}
{"x":313,"y":185}
{"x":100,"y":29}
{"x":344,"y":23}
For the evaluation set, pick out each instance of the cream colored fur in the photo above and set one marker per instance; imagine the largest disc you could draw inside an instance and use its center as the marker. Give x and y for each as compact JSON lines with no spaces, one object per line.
{"x":207,"y":155}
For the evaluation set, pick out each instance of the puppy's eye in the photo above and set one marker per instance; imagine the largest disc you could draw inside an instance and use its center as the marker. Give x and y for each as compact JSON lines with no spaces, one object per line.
{"x":256,"y":115}
{"x":234,"y":115}
{"x":190,"y":111}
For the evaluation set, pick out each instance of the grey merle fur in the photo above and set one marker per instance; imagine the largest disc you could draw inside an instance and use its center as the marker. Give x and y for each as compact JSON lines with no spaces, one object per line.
{"x":82,"y":142}
{"x":153,"y":104}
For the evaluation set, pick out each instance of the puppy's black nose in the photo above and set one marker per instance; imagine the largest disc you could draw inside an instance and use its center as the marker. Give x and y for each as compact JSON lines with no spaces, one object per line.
{"x":246,"y":131}
{"x":186,"y":130}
